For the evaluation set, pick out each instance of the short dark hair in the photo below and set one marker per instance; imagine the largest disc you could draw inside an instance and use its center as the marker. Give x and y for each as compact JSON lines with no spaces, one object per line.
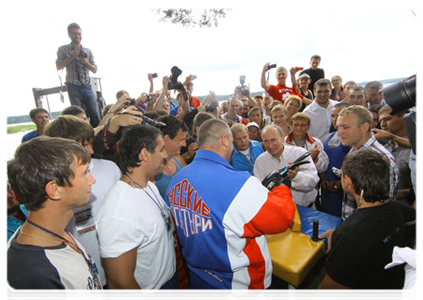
{"x":152,"y":115}
{"x":173,"y":124}
{"x":39,"y":161}
{"x":134,"y":139}
{"x":341,"y":104}
{"x":120,"y":94}
{"x":202,"y":117}
{"x":73,"y":25}
{"x":316,"y":56}
{"x":369,"y":172}
{"x":376,"y":108}
{"x":162,"y":112}
{"x":33,"y":113}
{"x":359,"y":88}
{"x":375,"y":84}
{"x":322,"y":81}
{"x":73,"y":110}
{"x":350,"y":82}
{"x":70,"y":127}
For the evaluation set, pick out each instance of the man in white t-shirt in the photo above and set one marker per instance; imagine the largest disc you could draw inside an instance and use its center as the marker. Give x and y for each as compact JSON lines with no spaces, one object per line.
{"x":82,"y":224}
{"x":134,"y":226}
{"x":303,"y":178}
{"x":320,"y":109}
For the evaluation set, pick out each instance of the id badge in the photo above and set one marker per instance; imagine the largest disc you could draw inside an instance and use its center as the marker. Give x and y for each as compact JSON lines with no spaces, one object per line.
{"x":84,"y":221}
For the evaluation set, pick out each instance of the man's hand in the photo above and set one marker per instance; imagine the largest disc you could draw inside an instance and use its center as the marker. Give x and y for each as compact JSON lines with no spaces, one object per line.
{"x":293,"y":70}
{"x":74,"y":53}
{"x":266,"y":67}
{"x":382,"y":134}
{"x":130,"y":116}
{"x":328,"y":235}
{"x":165,"y":82}
{"x":314,"y":153}
{"x":292,"y":173}
{"x":84,"y":60}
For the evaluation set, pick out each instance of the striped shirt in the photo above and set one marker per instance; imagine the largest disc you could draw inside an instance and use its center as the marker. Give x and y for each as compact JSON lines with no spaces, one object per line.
{"x":76,"y":72}
{"x":349,"y":204}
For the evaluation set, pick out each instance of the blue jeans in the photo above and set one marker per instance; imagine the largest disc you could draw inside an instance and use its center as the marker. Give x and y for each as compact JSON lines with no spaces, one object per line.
{"x":83,"y":96}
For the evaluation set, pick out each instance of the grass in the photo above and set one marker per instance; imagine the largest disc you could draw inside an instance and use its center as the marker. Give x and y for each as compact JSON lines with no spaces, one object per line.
{"x":19,"y":128}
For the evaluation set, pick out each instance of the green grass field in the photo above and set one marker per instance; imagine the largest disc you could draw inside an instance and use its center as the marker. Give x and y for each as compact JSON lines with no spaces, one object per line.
{"x":19,"y":128}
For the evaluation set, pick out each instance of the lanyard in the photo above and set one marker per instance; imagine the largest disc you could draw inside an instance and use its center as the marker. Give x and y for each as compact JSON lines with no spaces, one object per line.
{"x":164,"y":211}
{"x":249,"y":161}
{"x":91,"y":265}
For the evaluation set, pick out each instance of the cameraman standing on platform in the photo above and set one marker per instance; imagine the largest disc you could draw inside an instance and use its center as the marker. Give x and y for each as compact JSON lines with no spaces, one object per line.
{"x":79,"y":61}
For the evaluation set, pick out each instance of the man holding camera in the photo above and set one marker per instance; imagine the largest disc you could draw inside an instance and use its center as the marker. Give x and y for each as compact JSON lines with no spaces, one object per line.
{"x":280,"y":91}
{"x":79,"y":61}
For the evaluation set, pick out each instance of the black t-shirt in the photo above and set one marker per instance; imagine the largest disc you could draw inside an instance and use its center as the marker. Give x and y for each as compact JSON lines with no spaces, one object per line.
{"x":363,"y":244}
{"x":315,"y":75}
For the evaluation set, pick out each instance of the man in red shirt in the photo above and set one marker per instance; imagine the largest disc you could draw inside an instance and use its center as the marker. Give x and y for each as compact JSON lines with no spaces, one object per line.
{"x":280,"y":91}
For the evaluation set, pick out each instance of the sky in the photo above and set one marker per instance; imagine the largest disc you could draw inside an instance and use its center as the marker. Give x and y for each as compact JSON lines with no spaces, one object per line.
{"x":359,"y":41}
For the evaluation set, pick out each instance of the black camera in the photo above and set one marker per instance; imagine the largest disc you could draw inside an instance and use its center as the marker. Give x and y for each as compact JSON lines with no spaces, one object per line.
{"x":401,"y":96}
{"x":212,"y":106}
{"x":154,"y":75}
{"x":243,"y":88}
{"x":82,"y":54}
{"x":174,"y":84}
{"x":271,"y":66}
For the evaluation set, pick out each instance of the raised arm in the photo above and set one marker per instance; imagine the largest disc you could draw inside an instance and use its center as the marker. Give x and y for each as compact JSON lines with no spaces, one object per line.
{"x":162,"y":97}
{"x":150,"y":78}
{"x":264,"y":83}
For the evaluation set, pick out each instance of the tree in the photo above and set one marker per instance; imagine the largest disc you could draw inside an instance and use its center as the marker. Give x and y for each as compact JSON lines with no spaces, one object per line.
{"x":187,"y":17}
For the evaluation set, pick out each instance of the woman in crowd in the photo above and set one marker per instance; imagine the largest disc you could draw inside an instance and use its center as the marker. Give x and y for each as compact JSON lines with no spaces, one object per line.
{"x":293,"y":104}
{"x":337,"y":91}
{"x":256,"y":115}
{"x":279,"y":115}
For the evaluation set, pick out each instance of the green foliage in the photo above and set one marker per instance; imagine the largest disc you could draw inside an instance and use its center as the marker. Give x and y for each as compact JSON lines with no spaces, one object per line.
{"x":19,"y":128}
{"x":186,"y":17}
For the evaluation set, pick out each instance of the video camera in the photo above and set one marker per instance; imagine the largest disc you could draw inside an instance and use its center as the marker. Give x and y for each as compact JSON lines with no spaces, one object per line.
{"x":243,"y":89}
{"x":174,"y":84}
{"x":212,"y":106}
{"x":401,"y":96}
{"x":146,"y":120}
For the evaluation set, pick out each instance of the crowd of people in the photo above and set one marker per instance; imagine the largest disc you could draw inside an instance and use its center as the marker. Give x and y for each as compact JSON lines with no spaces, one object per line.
{"x":164,"y":194}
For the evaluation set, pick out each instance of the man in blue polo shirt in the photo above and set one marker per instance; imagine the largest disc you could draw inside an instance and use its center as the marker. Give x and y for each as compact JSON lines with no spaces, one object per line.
{"x":245,"y":151}
{"x":41,"y":118}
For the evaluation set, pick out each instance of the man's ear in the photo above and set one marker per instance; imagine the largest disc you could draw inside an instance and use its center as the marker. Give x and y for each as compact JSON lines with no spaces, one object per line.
{"x":365,"y":127}
{"x":53,"y":190}
{"x":143,"y":155}
{"x":166,"y":138}
{"x":225,"y":141}
{"x":347,"y":183}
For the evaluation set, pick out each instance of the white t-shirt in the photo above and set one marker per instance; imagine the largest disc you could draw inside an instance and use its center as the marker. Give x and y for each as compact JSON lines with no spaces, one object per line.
{"x":303,"y":186}
{"x":130,"y":219}
{"x":320,"y":120}
{"x":82,"y":225}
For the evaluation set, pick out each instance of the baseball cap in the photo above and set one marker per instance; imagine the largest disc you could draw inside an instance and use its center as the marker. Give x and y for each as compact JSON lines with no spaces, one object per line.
{"x":253,"y":124}
{"x":304,"y":75}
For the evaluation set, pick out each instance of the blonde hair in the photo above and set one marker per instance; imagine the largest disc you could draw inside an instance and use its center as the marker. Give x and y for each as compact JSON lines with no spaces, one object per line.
{"x":293,"y":97}
{"x":237,"y":127}
{"x":278,"y":108}
{"x":363,"y":114}
{"x":301,"y":116}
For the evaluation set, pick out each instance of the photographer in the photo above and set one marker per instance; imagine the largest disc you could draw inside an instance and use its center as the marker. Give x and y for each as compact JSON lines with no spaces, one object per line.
{"x":105,"y":143}
{"x":194,"y":102}
{"x":79,"y":61}
{"x":280,"y":91}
